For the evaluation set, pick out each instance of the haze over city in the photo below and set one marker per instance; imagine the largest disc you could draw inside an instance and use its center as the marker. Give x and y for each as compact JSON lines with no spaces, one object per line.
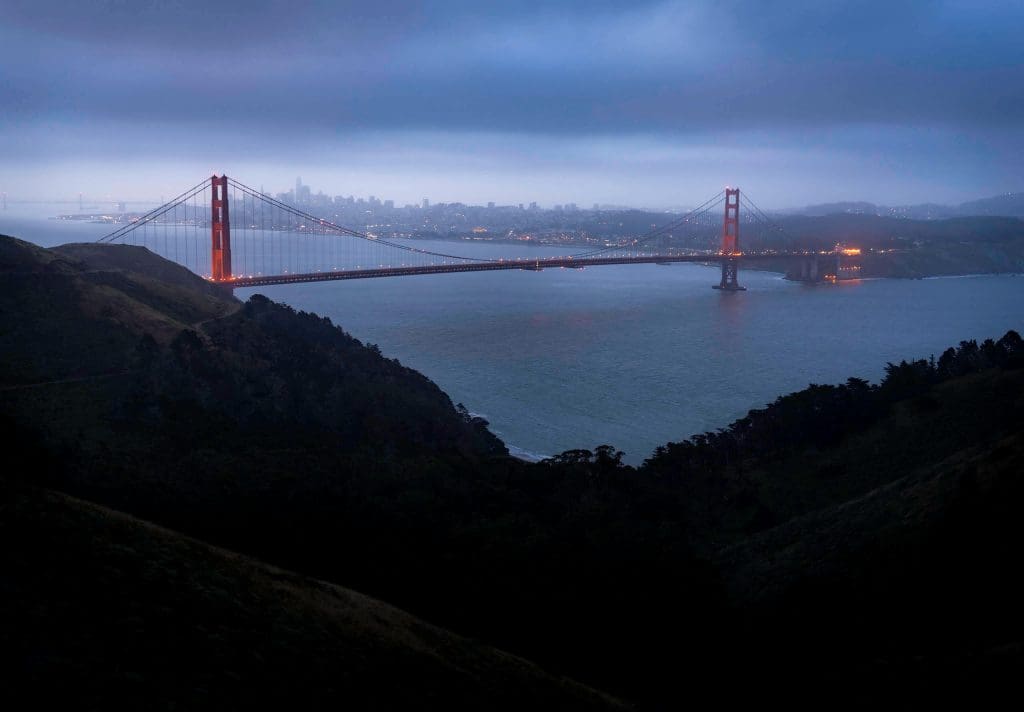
{"x":652,"y":104}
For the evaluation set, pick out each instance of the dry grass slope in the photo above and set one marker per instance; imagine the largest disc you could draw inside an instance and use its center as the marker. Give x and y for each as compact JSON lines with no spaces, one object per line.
{"x":127,"y":613}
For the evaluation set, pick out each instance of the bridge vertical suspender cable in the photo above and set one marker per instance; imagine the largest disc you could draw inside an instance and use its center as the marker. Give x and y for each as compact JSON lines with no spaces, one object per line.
{"x":271,"y":241}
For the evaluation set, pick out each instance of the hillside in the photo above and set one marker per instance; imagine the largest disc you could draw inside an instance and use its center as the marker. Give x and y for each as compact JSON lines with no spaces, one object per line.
{"x":827,"y":445}
{"x":912,"y":588}
{"x":58,"y":299}
{"x":127,"y":325}
{"x":898,"y":247}
{"x":1005,"y":205}
{"x":830,"y":532}
{"x":128,"y":615}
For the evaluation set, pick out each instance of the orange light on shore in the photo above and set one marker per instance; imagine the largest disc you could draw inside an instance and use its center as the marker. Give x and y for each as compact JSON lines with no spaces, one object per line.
{"x":851,"y":251}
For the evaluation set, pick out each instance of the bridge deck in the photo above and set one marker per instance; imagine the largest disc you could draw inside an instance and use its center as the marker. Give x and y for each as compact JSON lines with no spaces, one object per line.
{"x":519,"y":264}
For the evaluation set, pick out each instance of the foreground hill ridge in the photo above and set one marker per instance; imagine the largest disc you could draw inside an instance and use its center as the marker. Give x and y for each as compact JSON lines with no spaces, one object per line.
{"x":245,"y":621}
{"x":814,"y":538}
{"x":826,"y":532}
{"x":127,"y":310}
{"x":59,"y":296}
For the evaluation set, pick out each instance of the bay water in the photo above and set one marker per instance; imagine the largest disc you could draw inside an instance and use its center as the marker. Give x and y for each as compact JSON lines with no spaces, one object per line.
{"x":630,"y":355}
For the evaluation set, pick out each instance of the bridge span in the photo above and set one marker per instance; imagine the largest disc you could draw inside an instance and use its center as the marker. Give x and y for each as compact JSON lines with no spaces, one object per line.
{"x":265,"y":241}
{"x":535,"y":265}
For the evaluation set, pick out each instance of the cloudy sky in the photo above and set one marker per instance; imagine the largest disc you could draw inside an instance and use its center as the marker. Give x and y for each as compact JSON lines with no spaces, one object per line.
{"x":644,"y":103}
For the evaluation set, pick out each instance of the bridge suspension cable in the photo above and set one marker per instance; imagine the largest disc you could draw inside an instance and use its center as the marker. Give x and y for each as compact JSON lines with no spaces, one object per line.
{"x":690,"y":217}
{"x":232,"y":233}
{"x":322,"y":222}
{"x":155,"y":213}
{"x":756,"y":215}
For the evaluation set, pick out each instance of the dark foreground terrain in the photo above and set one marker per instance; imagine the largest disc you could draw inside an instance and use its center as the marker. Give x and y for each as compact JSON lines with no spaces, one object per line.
{"x":110,"y":610}
{"x":846,"y":543}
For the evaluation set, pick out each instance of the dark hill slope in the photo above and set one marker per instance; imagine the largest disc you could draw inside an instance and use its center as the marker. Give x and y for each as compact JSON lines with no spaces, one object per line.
{"x":79,"y":311}
{"x":156,"y":272}
{"x":827,"y":445}
{"x":872,"y":536}
{"x":909,"y":593}
{"x":276,"y":434}
{"x":105,"y":611}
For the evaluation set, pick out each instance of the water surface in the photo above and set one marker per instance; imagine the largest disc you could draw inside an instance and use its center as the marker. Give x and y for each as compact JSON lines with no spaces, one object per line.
{"x":638,"y":355}
{"x":632,"y":356}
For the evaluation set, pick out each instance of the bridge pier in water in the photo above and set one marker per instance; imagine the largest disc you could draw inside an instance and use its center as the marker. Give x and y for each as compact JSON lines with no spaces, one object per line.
{"x":809,"y":270}
{"x":730,"y":270}
{"x":823,"y":267}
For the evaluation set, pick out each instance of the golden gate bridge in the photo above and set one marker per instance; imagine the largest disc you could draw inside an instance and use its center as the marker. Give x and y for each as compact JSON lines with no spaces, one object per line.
{"x":237,"y":236}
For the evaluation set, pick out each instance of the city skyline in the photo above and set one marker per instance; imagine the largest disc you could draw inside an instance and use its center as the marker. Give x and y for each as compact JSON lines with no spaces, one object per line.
{"x":329,"y":198}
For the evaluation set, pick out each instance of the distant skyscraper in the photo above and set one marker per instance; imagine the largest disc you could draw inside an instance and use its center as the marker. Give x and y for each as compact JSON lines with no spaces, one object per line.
{"x":298,"y":188}
{"x":426,"y":203}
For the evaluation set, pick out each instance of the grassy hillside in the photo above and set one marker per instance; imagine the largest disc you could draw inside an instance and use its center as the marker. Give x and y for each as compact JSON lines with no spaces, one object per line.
{"x":126,"y":614}
{"x":65,"y":318}
{"x":86,"y":313}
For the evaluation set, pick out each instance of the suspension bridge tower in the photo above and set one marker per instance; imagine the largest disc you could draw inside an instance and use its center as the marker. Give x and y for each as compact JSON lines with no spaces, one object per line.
{"x":220,"y":231}
{"x":731,"y":242}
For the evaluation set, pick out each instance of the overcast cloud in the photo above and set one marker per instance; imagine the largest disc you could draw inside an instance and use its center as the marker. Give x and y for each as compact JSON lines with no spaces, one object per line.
{"x":648,"y":103}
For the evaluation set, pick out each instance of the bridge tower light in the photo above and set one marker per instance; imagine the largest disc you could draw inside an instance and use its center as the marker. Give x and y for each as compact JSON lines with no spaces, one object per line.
{"x":220,"y":230}
{"x":730,"y":250}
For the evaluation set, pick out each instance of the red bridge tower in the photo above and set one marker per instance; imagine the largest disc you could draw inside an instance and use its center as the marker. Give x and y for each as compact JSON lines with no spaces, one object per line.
{"x":731,"y":242}
{"x":220,"y":231}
